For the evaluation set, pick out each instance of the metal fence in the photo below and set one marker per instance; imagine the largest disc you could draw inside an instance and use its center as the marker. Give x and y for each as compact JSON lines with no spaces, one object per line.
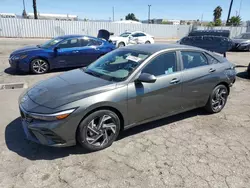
{"x":29,"y":28}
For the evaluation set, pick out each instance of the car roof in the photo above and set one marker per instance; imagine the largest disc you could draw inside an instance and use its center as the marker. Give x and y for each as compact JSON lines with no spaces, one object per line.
{"x":75,"y":36}
{"x":153,"y":48}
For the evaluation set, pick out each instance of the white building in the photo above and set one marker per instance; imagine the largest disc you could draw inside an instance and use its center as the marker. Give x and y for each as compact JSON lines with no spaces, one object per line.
{"x":127,"y":22}
{"x":54,"y":16}
{"x":8,"y":15}
{"x":175,"y":22}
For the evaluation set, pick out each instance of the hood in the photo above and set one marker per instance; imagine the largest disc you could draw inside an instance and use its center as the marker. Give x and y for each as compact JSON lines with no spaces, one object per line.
{"x":26,"y":49}
{"x":235,"y":40}
{"x":103,"y":34}
{"x":68,"y":87}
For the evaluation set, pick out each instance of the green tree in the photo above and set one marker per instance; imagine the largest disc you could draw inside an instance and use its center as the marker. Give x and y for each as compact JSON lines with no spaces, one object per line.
{"x":218,"y":22}
{"x":131,"y":16}
{"x":217,"y":13}
{"x":210,"y":24}
{"x":235,"y":21}
{"x":35,"y":9}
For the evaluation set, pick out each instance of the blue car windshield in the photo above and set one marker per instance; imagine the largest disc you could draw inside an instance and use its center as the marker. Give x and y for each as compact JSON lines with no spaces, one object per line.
{"x":117,"y":65}
{"x":51,"y":43}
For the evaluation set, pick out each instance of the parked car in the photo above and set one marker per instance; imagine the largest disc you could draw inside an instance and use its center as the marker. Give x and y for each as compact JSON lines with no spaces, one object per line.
{"x":242,"y":42}
{"x":126,"y":87}
{"x":130,"y":38}
{"x":61,"y":52}
{"x":212,"y":40}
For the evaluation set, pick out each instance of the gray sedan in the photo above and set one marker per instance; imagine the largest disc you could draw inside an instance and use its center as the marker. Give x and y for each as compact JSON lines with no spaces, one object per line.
{"x":124,"y":88}
{"x":242,"y":42}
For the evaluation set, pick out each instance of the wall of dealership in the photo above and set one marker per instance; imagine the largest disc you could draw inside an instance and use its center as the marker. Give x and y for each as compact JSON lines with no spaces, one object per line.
{"x":29,"y":28}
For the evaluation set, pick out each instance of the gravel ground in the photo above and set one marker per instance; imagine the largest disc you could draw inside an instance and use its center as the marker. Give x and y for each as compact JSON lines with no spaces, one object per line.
{"x":193,"y":149}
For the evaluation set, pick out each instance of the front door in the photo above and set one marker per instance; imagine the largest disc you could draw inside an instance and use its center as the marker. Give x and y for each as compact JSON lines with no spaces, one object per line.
{"x":68,"y":53}
{"x":149,"y":100}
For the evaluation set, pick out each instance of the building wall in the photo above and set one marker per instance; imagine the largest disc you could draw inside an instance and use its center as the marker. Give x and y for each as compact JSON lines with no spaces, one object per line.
{"x":11,"y":27}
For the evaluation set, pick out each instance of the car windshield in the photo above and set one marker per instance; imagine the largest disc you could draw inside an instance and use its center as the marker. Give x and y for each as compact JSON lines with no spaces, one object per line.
{"x":243,"y":36}
{"x":117,"y":65}
{"x":126,"y":34}
{"x":51,"y":43}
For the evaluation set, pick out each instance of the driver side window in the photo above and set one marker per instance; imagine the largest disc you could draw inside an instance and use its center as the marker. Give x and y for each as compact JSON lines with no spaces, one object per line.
{"x":163,"y":64}
{"x":70,"y":43}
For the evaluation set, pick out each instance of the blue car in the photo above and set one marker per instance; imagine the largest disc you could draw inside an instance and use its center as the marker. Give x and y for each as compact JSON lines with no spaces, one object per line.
{"x":61,"y":52}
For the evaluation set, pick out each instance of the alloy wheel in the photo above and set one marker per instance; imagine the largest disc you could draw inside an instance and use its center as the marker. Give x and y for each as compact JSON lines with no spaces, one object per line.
{"x":39,"y":66}
{"x":101,"y":130}
{"x":219,"y":99}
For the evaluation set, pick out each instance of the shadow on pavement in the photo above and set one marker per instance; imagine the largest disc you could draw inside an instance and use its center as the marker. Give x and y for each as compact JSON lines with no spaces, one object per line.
{"x":14,"y":72}
{"x":244,"y":75}
{"x":162,"y":122}
{"x":16,"y":142}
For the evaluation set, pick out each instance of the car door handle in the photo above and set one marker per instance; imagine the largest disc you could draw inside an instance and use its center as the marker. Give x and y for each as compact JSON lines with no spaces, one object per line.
{"x":75,"y":51}
{"x":212,"y":70}
{"x":174,"y":81}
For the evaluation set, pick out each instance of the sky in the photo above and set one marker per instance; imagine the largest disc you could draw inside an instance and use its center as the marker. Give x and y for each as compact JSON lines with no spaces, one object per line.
{"x":102,"y":9}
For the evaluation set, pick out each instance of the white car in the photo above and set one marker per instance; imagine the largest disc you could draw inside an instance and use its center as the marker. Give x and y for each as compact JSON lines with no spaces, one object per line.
{"x":130,"y":38}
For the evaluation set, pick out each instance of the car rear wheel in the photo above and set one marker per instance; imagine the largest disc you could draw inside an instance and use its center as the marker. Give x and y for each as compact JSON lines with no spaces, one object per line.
{"x":121,"y":44}
{"x":147,"y":42}
{"x":39,"y":66}
{"x":98,"y":130}
{"x":217,"y":99}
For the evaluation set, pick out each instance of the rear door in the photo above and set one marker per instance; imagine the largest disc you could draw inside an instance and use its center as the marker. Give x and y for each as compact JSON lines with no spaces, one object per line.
{"x":199,"y":78}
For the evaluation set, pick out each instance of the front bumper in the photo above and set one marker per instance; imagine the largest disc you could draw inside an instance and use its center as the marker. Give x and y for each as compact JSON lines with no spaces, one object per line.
{"x":19,"y":65}
{"x":46,"y":132}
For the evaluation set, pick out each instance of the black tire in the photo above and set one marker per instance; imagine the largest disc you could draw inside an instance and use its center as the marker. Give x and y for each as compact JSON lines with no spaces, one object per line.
{"x":88,"y":129}
{"x":147,"y":42}
{"x":121,"y":44}
{"x":217,"y":99}
{"x":39,"y":66}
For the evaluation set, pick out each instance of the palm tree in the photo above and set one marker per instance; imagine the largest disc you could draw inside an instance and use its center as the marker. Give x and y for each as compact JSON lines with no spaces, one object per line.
{"x":35,"y":9}
{"x":235,"y":21}
{"x":217,"y":13}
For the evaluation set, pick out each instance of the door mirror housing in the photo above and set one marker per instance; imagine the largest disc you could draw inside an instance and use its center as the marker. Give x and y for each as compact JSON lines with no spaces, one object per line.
{"x":147,"y":78}
{"x":56,"y":49}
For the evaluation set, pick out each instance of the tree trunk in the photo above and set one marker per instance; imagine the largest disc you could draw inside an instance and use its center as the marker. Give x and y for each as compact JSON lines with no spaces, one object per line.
{"x":35,"y":9}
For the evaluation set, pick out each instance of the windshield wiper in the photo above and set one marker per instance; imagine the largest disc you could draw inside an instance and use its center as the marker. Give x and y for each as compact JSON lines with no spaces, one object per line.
{"x":91,"y":73}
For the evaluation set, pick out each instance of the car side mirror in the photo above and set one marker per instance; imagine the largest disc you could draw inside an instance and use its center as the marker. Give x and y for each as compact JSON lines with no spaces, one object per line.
{"x":111,"y":33}
{"x":56,"y":49}
{"x":147,"y":78}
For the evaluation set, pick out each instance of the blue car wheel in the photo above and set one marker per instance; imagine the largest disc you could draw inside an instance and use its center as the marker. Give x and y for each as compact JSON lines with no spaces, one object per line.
{"x":39,"y":66}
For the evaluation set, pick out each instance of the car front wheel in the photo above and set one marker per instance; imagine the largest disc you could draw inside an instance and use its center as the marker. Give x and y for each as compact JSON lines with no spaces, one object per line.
{"x":121,"y":44}
{"x":98,"y":130}
{"x":217,"y":99}
{"x":39,"y":66}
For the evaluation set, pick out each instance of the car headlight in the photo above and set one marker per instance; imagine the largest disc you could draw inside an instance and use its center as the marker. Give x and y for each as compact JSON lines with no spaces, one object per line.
{"x":18,"y":57}
{"x":245,"y":43}
{"x":52,"y":117}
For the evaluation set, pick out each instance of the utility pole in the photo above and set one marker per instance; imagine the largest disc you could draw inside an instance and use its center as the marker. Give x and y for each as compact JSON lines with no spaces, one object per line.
{"x":240,"y":6}
{"x":24,"y":6}
{"x":149,"y":13}
{"x":113,"y":10}
{"x":229,"y":12}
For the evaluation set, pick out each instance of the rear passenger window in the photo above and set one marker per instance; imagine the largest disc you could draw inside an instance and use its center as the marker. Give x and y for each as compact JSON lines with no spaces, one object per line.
{"x":193,"y":59}
{"x":211,"y":59}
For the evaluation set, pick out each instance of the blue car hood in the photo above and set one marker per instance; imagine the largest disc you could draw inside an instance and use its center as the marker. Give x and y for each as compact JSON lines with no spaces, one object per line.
{"x":27,"y":49}
{"x":68,"y":87}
